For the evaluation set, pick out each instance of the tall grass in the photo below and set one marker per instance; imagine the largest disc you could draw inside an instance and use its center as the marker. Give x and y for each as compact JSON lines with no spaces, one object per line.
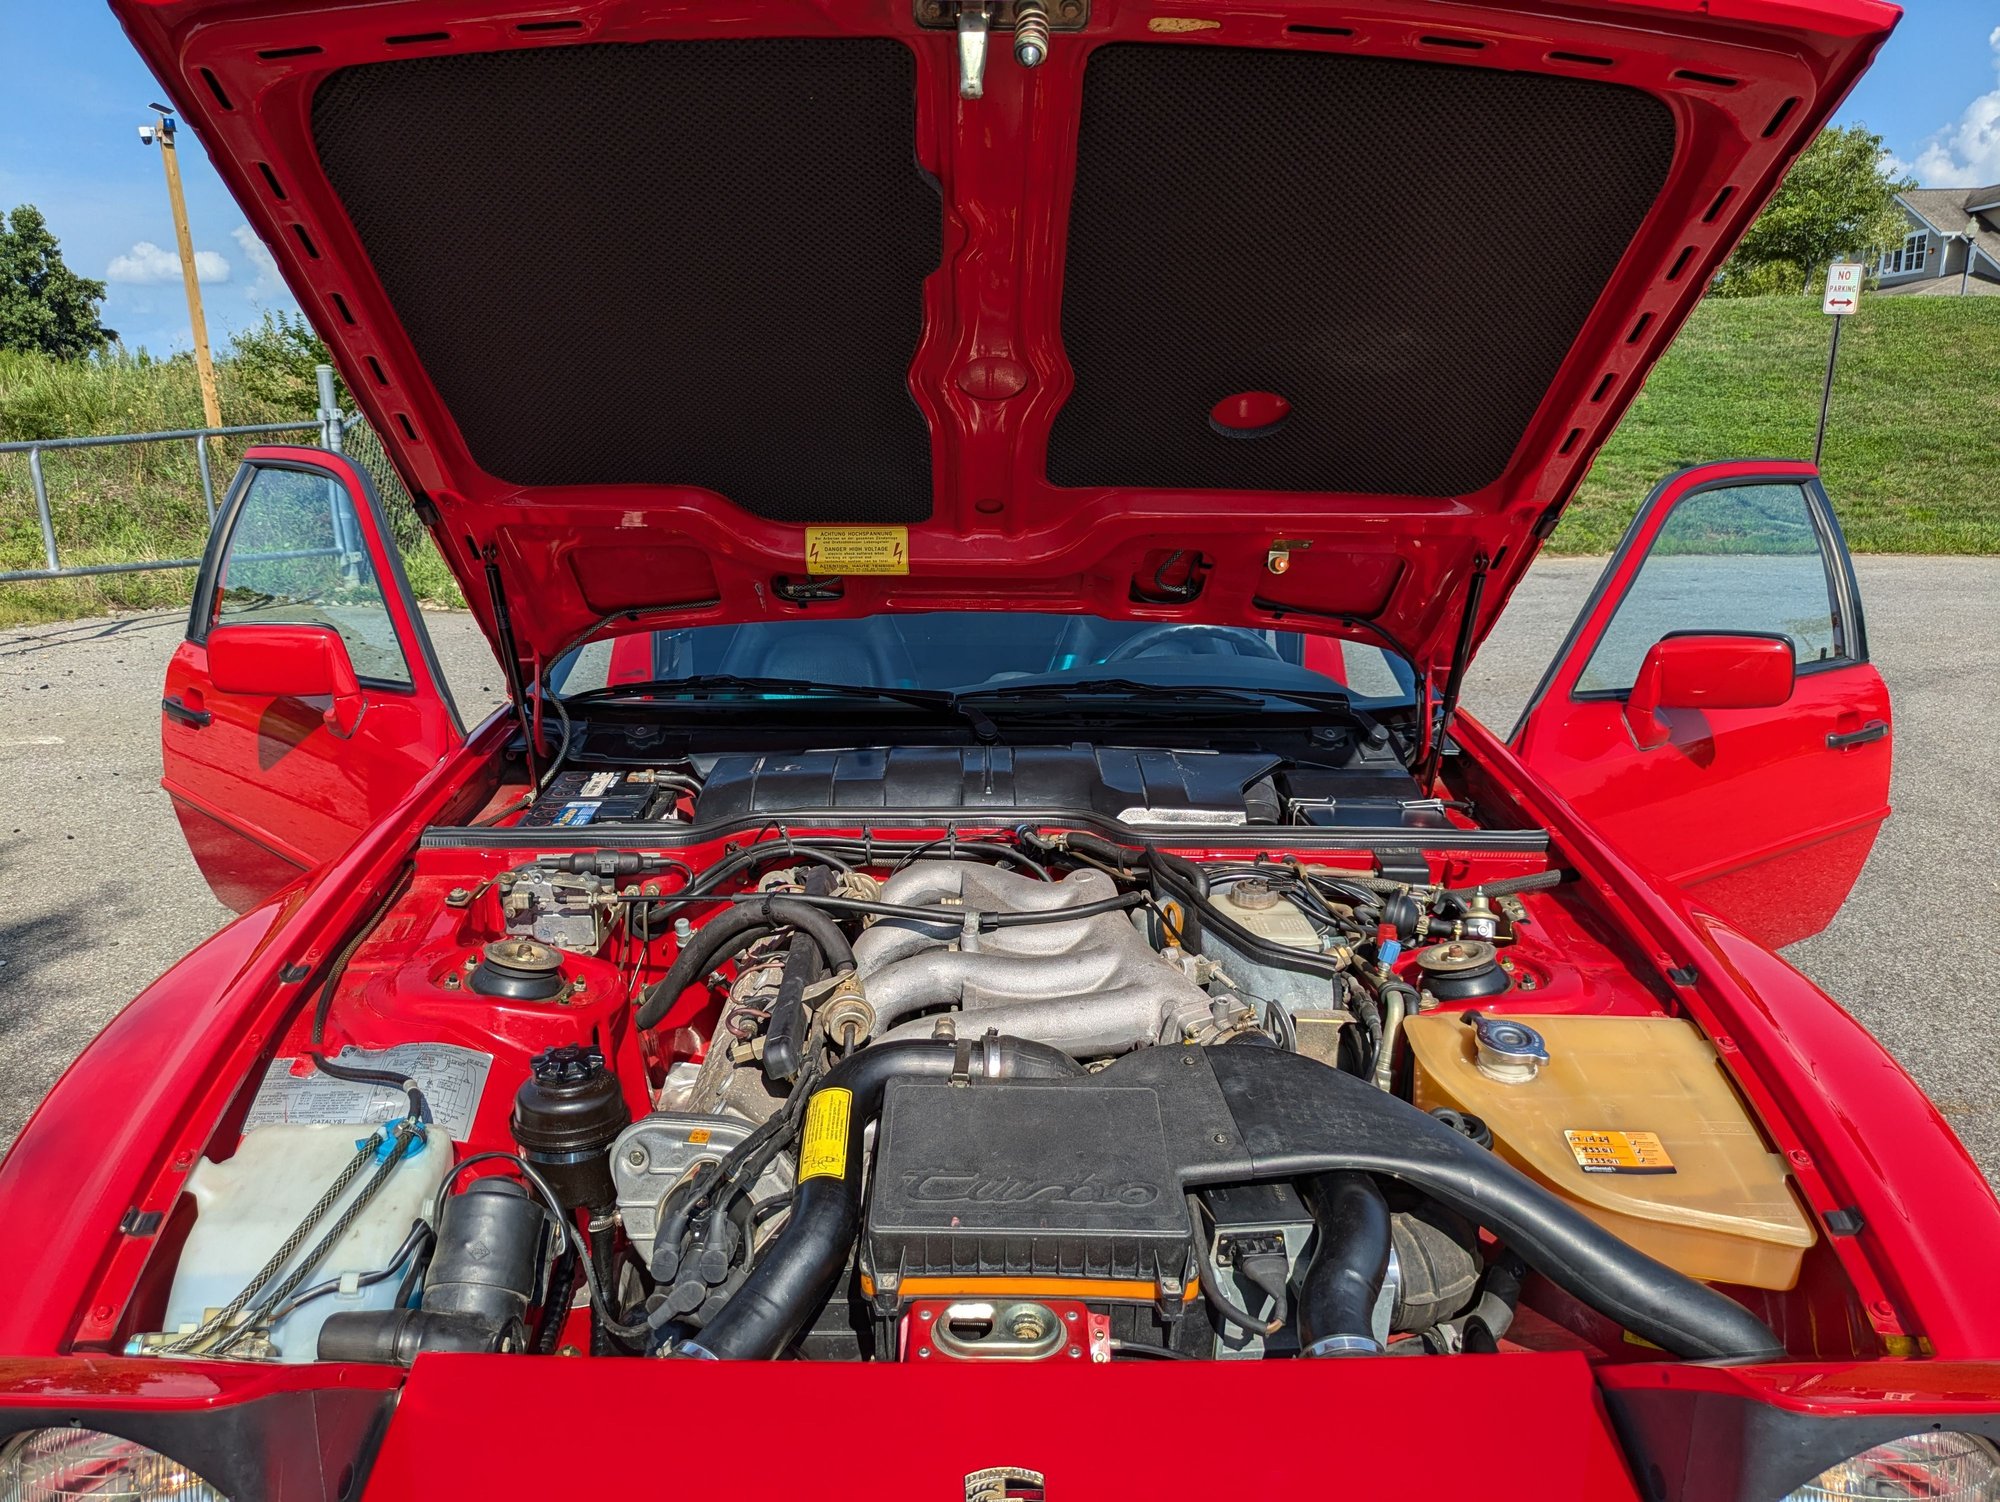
{"x":142,"y":501}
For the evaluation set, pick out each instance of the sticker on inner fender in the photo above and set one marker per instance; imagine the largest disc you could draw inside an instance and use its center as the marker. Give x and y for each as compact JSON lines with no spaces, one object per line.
{"x":1618,"y":1152}
{"x":823,"y":1151}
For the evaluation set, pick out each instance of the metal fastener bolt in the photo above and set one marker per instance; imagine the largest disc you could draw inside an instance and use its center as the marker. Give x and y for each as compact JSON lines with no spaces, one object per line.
{"x":1188,"y":1060}
{"x":1076,"y":1350}
{"x":1071,"y":1316}
{"x":923,"y":1351}
{"x":636,"y":1157}
{"x":924,"y":1314}
{"x":1220,"y":1137}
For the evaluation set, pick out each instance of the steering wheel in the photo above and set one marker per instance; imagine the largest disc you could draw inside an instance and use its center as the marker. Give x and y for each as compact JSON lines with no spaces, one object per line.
{"x":1235,"y":641}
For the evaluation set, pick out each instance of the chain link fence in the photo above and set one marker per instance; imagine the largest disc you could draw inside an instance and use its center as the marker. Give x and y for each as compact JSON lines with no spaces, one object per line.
{"x":120,"y":521}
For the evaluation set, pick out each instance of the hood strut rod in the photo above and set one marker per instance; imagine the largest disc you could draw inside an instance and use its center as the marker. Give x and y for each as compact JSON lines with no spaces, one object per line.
{"x":510,"y":659}
{"x":1454,"y":681}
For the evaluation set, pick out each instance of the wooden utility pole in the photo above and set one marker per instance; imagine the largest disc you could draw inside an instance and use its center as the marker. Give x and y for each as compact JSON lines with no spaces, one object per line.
{"x":204,"y":365}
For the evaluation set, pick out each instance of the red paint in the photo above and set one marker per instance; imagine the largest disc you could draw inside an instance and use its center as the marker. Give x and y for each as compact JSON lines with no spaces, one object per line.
{"x":1004,"y":167}
{"x":287,"y":662}
{"x":1249,"y":414}
{"x":271,"y":785}
{"x":1751,"y":808}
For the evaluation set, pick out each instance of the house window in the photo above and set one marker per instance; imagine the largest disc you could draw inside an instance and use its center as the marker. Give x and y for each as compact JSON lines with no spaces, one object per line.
{"x":1908,"y":257}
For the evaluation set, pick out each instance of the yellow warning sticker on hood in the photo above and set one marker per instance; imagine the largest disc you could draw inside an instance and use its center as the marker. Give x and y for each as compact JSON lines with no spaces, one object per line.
{"x":857,"y":550}
{"x":1618,"y":1152}
{"x":823,"y":1151}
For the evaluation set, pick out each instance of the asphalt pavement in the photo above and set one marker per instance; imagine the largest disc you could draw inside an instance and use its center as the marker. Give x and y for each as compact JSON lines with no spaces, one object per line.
{"x":98,"y":894}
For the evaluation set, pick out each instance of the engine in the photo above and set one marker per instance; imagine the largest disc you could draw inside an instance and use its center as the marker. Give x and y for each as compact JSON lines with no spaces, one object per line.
{"x":1017,"y":1096}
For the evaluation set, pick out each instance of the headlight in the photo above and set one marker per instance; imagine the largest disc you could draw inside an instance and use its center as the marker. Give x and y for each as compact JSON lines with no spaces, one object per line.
{"x":44,"y":1465}
{"x":1934,"y":1467}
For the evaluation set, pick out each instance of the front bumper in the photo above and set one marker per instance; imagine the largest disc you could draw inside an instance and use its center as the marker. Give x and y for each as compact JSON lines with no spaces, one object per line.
{"x":1527,"y":1426}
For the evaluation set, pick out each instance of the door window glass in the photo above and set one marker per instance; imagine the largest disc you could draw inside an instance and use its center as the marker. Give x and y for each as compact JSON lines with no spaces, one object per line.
{"x":296,"y":558}
{"x":1741,"y":558}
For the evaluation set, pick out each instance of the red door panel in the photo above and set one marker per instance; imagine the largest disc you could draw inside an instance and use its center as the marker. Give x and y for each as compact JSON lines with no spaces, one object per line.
{"x":263,"y":785}
{"x":1766,"y":814}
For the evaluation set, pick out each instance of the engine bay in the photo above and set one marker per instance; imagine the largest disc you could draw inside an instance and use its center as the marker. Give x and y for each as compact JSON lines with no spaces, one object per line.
{"x":985,"y":1091}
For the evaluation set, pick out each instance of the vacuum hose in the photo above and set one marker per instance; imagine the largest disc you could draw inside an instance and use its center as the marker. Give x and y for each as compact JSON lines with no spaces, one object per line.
{"x":799,"y":1269}
{"x":727,"y":932}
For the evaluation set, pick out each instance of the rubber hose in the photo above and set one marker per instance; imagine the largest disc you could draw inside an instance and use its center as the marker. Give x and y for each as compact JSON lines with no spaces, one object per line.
{"x":799,"y":1269}
{"x":728,"y":929}
{"x":1534,"y":881}
{"x":1350,"y":1260}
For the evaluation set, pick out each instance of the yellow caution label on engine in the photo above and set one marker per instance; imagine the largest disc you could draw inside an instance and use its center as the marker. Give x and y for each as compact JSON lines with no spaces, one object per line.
{"x":1604,"y":1151}
{"x":823,"y":1151}
{"x":857,"y":550}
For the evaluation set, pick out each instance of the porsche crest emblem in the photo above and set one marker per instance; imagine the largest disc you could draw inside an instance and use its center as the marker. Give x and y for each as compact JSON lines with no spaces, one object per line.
{"x":1004,"y":1483}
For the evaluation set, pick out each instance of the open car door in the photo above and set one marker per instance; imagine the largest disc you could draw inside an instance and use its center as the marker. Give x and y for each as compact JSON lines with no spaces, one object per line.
{"x":306,"y":700}
{"x":1713,"y":713}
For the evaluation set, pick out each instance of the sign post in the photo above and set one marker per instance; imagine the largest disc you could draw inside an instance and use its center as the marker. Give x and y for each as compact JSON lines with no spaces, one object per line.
{"x":1843,"y":296}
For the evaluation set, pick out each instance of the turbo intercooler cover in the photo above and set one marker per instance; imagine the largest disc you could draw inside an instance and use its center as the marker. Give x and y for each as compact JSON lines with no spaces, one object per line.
{"x":1037,"y":1179}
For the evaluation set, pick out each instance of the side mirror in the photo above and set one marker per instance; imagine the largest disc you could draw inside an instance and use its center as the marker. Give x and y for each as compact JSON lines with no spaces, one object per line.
{"x":1707,"y":671}
{"x":298,"y":662}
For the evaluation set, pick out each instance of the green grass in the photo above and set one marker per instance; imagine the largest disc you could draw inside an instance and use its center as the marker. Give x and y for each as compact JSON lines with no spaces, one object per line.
{"x":140,"y":501}
{"x":1913,"y":446}
{"x":1910,"y":460}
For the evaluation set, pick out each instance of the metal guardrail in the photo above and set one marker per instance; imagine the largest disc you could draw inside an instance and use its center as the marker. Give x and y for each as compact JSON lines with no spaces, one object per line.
{"x":329,"y":423}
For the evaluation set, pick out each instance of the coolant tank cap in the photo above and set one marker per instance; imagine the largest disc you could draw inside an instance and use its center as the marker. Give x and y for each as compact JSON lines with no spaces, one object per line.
{"x":1511,"y":1052}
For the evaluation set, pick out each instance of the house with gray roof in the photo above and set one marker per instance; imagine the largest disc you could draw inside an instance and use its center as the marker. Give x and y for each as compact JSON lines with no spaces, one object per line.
{"x":1953,"y":244}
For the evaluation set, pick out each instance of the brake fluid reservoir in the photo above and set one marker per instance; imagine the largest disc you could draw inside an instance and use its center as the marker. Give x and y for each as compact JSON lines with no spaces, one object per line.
{"x":247,"y":1205}
{"x":1634,"y":1122}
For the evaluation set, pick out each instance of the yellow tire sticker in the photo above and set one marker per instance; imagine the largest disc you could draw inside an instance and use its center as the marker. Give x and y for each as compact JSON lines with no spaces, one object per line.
{"x":823,"y":1153}
{"x":857,"y":550}
{"x":1618,"y":1152}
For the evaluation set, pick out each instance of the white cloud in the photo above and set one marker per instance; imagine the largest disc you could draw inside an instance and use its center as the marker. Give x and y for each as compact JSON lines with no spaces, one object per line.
{"x":146,"y":264}
{"x":1967,"y":153}
{"x":258,"y":254}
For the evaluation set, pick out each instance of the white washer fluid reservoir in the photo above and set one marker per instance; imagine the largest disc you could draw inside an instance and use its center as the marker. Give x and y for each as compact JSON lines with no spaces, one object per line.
{"x":246,"y":1207}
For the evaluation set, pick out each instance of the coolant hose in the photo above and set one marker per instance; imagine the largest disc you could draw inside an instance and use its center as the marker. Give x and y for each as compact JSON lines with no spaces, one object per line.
{"x":1350,"y":1260}
{"x":728,"y":931}
{"x":799,"y":1269}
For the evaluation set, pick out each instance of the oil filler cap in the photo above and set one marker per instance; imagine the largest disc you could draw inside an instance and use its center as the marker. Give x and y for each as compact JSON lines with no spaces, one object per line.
{"x":1511,"y":1052}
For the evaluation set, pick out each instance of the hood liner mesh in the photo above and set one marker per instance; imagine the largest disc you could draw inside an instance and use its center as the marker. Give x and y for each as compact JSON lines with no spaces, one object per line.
{"x":1404,"y":251}
{"x":691,"y":263}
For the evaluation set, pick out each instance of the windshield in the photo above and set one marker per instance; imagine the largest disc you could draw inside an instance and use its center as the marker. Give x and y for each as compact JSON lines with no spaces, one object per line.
{"x":966,"y":650}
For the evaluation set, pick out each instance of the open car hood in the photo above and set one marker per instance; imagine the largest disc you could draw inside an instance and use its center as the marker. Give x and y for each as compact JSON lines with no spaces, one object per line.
{"x":1254,"y":314}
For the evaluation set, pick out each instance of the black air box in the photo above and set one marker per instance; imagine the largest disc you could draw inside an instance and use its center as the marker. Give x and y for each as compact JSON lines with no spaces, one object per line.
{"x":1024,"y":1179}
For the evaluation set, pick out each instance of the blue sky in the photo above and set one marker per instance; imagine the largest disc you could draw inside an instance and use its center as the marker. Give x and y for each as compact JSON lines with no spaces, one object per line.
{"x":73,"y":94}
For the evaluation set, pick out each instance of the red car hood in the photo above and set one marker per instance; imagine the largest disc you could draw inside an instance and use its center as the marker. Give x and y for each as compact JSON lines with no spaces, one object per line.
{"x":1238,"y":313}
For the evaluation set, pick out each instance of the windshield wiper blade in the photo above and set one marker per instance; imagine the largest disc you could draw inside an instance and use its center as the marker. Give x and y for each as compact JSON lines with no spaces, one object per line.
{"x":700,"y":684}
{"x":1122,"y":688}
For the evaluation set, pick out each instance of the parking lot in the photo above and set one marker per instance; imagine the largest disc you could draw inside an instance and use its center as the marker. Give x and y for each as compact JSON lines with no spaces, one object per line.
{"x":100,"y":894}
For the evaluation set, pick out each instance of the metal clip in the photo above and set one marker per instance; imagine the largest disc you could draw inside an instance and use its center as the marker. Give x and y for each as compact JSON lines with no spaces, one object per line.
{"x":974,"y":22}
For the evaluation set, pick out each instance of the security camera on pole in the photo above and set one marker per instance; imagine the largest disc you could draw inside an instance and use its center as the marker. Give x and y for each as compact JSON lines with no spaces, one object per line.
{"x":1843,"y":296}
{"x":161,"y":134}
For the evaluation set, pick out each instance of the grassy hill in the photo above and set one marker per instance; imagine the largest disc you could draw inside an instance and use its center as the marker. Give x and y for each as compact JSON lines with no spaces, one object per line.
{"x":1913,"y":446}
{"x":1912,"y":460}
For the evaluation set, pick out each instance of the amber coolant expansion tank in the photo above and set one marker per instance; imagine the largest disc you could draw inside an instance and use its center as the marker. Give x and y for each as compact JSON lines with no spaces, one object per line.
{"x":1711,"y":1200}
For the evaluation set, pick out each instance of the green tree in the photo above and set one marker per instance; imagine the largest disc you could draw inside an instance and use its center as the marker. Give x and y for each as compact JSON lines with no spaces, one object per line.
{"x":1838,"y":200}
{"x":45,"y":307}
{"x":273,"y":363}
